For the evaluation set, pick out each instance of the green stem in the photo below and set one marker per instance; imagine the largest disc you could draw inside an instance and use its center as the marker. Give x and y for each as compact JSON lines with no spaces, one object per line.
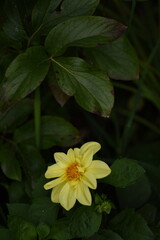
{"x":37,"y":116}
{"x":131,"y":15}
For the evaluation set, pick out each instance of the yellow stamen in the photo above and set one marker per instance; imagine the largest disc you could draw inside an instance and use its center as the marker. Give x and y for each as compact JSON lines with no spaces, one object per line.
{"x":73,"y":172}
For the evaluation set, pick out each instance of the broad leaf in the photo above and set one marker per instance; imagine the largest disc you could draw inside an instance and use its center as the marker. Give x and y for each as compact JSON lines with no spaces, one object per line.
{"x":55,"y":131}
{"x":45,"y":15}
{"x":43,"y":230}
{"x":13,"y":26}
{"x":87,"y":31}
{"x":33,"y":161}
{"x":82,"y":222}
{"x":21,"y":229}
{"x":131,"y":226}
{"x":118,"y":59}
{"x":24,"y":74}
{"x":92,"y":89}
{"x":16,"y":115}
{"x":124,"y":172}
{"x":9,"y":164}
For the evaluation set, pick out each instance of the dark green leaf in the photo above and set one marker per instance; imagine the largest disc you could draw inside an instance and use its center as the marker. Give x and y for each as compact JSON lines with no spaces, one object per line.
{"x":24,"y":74}
{"x":6,"y":234}
{"x":54,"y":131}
{"x":9,"y":164}
{"x":33,"y":162}
{"x":135,"y":195}
{"x":82,"y":222}
{"x":117,"y":59}
{"x":82,"y":31}
{"x":21,"y":229}
{"x":43,"y":230}
{"x":13,"y":26}
{"x":124,"y":172}
{"x":43,"y":12}
{"x":105,"y":235}
{"x":18,"y":209}
{"x":16,"y":115}
{"x":131,"y":226}
{"x":85,"y":222}
{"x":92,"y":89}
{"x":43,"y":210}
{"x":44,"y":16}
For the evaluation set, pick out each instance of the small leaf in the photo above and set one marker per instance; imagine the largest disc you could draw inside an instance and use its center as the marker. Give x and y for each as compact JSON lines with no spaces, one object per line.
{"x":9,"y":164}
{"x":124,"y":173}
{"x":43,"y":230}
{"x":92,"y":89}
{"x":24,"y":74}
{"x":131,"y":226}
{"x":118,"y":59}
{"x":83,"y":32}
{"x":55,"y":131}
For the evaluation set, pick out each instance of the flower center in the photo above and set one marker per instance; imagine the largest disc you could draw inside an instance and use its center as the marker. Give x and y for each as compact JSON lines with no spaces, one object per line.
{"x":74,"y":172}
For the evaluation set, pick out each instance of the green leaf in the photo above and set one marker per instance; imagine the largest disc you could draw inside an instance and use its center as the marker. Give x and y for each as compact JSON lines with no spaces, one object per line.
{"x":33,"y":162}
{"x":88,"y":31}
{"x":134,"y":195}
{"x":105,"y":235}
{"x":85,"y":222}
{"x":45,"y":16}
{"x":18,"y":209}
{"x":131,"y":226}
{"x":92,"y":89}
{"x":13,"y":26}
{"x":6,"y":234}
{"x":43,"y":12}
{"x":43,"y":230}
{"x":82,"y":222}
{"x":9,"y":164}
{"x":16,"y":115}
{"x":55,"y":131}
{"x":24,"y":74}
{"x":43,"y":210}
{"x":21,"y":229}
{"x":124,"y":173}
{"x":118,"y":59}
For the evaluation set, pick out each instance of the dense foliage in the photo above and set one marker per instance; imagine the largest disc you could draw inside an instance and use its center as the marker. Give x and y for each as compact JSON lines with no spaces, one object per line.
{"x":73,"y":71}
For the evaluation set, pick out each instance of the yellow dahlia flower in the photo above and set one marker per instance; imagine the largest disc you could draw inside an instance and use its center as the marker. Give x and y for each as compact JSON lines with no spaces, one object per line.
{"x":75,"y":173}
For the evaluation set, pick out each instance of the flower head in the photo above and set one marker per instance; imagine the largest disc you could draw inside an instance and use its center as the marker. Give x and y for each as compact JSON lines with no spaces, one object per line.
{"x":75,"y":173}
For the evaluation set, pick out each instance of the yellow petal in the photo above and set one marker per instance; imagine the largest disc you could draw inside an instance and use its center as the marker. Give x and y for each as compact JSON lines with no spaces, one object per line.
{"x":90,"y":146}
{"x":86,"y":158}
{"x":76,"y":152}
{"x":61,"y":159}
{"x":83,"y":194}
{"x":67,"y":196}
{"x":54,"y":171}
{"x":90,"y":180}
{"x":99,"y":169}
{"x":70,"y":155}
{"x":54,"y":183}
{"x":56,"y":191}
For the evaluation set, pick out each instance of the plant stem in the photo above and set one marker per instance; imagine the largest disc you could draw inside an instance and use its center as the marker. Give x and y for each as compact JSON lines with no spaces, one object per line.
{"x":131,"y":15}
{"x":37,"y":116}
